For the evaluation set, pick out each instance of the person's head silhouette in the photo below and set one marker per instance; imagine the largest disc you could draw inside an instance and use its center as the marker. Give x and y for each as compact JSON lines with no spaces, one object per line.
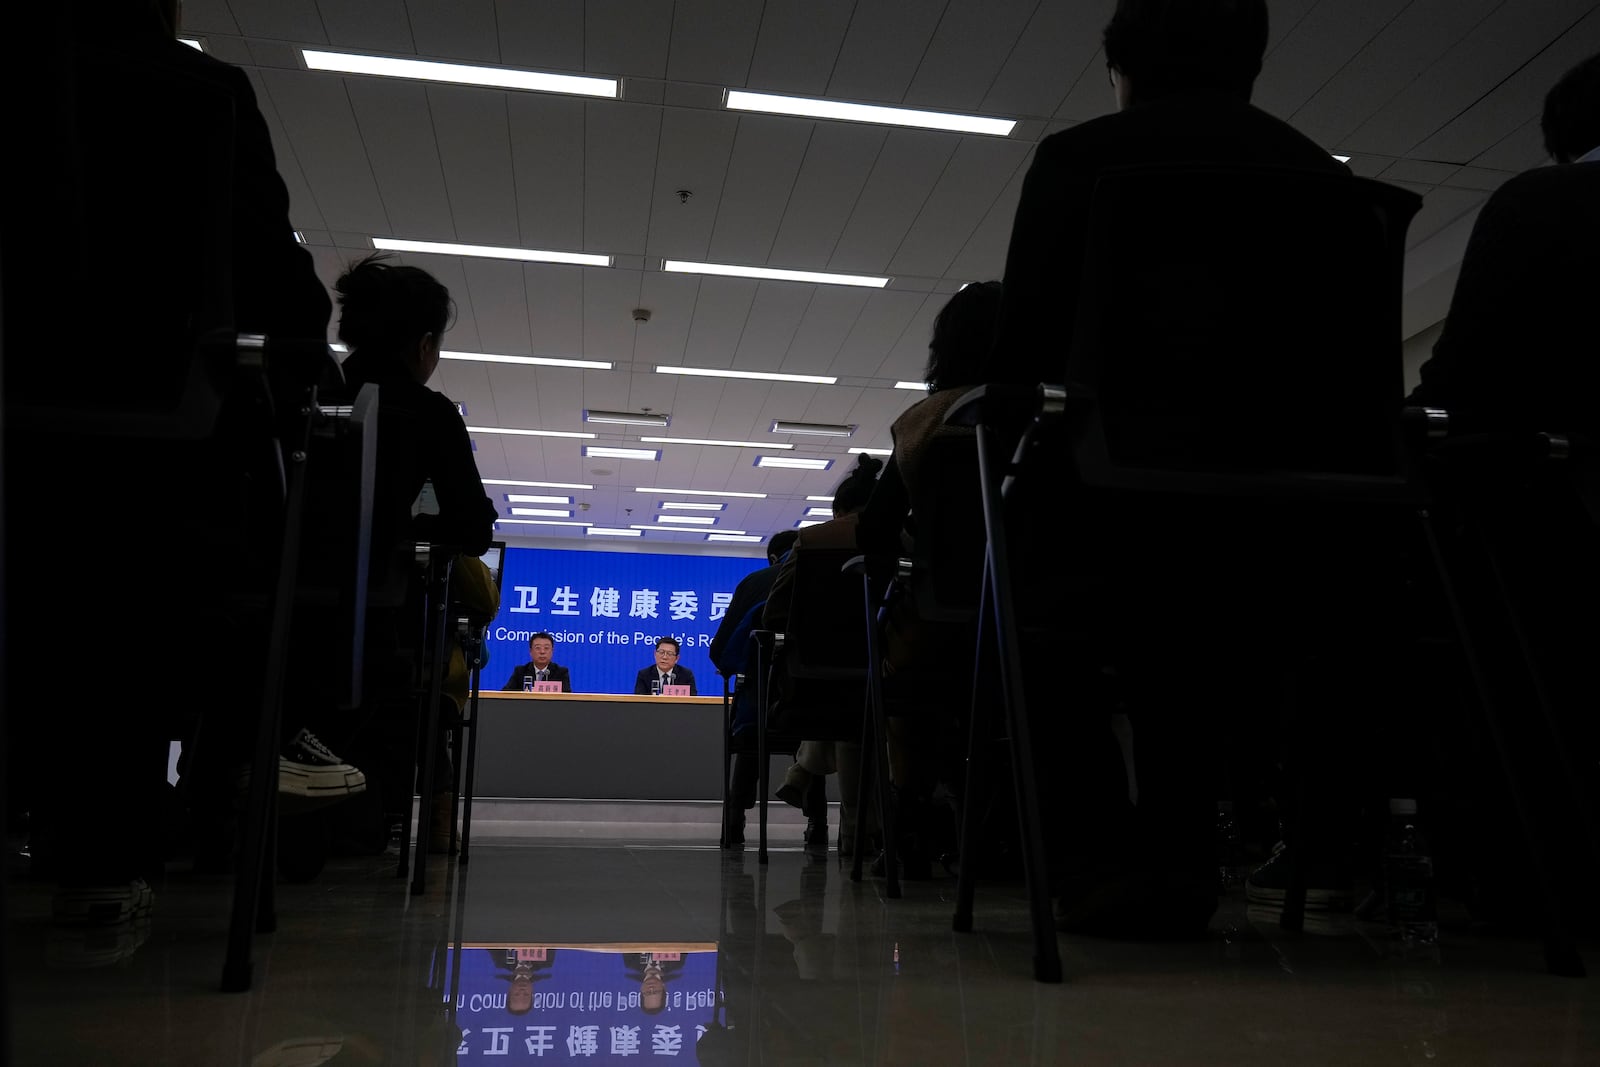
{"x":1571,"y":119}
{"x":1158,"y":47}
{"x":393,"y":317}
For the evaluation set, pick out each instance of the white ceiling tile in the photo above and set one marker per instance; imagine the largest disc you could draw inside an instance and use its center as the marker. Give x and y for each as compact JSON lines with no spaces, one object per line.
{"x":905,"y":173}
{"x":1419,"y":170}
{"x":766,"y":158}
{"x":798,"y":44}
{"x":693,"y":156}
{"x":721,"y":307}
{"x":837,"y":164}
{"x":1316,"y":49}
{"x":410,"y":176}
{"x":315,"y":111}
{"x":882,"y":50}
{"x":366,"y":25}
{"x":547,"y":135}
{"x":206,"y":16}
{"x":1440,"y":207}
{"x":769,"y":329}
{"x":974,"y":178}
{"x":471,"y":128}
{"x":983,"y":257}
{"x":609,"y":297}
{"x":1518,"y":151}
{"x":967,"y":53}
{"x":627,"y":37}
{"x":283,"y":20}
{"x":1090,"y":95}
{"x":548,"y":35}
{"x":670,"y":298}
{"x":497,"y":293}
{"x":876,"y":331}
{"x":712,"y":41}
{"x":829,"y":318}
{"x":455,"y":29}
{"x":619,"y":159}
{"x":1059,"y":43}
{"x":304,"y":212}
{"x":552,"y":293}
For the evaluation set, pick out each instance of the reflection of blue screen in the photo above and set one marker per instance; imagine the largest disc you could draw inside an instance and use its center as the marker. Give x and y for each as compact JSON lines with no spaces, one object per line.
{"x":606,"y":609}
{"x":584,"y":1006}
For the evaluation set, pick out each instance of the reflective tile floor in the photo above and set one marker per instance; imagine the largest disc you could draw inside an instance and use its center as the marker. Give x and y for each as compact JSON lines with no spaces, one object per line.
{"x":603,"y":951}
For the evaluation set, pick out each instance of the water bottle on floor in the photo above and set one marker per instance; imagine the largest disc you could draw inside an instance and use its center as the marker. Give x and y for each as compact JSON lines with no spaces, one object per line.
{"x":1230,"y":859}
{"x":1408,"y":878}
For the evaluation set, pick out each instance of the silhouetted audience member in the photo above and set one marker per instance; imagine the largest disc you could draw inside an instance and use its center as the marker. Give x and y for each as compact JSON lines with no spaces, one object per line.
{"x":118,"y":118}
{"x":815,"y":760}
{"x":730,"y":654}
{"x":1182,"y":72}
{"x":393,"y":318}
{"x":1518,"y":353}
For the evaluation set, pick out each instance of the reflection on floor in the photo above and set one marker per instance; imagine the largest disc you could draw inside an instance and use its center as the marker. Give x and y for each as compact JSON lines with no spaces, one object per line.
{"x":614,"y":951}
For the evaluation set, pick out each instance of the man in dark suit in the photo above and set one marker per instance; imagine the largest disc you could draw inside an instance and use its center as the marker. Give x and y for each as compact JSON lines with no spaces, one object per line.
{"x":540,"y":667}
{"x":665,"y":671}
{"x":1182,"y":72}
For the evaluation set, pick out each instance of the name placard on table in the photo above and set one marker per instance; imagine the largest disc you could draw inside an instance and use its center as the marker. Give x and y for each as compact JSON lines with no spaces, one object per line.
{"x":547,"y":686}
{"x":674,"y":690}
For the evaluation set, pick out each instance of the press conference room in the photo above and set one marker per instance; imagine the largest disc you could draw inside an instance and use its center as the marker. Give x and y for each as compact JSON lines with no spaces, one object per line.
{"x":850,"y":532}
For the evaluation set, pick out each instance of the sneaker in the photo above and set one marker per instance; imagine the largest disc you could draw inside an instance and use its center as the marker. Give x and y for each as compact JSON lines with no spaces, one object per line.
{"x":308,"y":769}
{"x":1325,"y":890}
{"x":816,"y":838}
{"x":108,"y":904}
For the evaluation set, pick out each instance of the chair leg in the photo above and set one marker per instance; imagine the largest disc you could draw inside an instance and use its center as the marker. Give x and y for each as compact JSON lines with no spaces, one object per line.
{"x":1560,"y":949}
{"x":430,"y":732}
{"x":1047,"y":955}
{"x":1295,"y":837}
{"x":763,"y":762}
{"x":472,"y":766}
{"x":888,"y":816}
{"x":978,"y":741}
{"x":727,"y":764}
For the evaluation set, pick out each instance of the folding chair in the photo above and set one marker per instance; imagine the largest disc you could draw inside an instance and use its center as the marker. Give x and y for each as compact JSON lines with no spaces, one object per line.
{"x":1485,"y":489}
{"x":1233,"y":358}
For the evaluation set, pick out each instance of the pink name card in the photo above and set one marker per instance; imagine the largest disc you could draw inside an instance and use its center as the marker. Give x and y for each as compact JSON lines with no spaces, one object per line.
{"x":674,"y":690}
{"x":547,"y":687}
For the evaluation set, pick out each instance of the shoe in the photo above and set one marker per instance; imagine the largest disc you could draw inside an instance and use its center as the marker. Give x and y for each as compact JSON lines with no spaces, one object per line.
{"x":1136,"y":905}
{"x":734,"y":838}
{"x":439,"y":832}
{"x":1326,"y":890}
{"x":107,"y":904}
{"x":816,"y":838}
{"x":85,"y":947}
{"x":308,"y":770}
{"x":796,"y":781}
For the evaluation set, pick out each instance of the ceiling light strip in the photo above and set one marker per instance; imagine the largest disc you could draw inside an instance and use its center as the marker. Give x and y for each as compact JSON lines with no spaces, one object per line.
{"x":528,"y":81}
{"x":700,"y":492}
{"x":537,"y":485}
{"x":530,"y":361}
{"x":527,"y":255}
{"x":514,"y":432}
{"x":703,"y":441}
{"x":817,"y":108}
{"x":772,"y":274}
{"x":753,"y":375}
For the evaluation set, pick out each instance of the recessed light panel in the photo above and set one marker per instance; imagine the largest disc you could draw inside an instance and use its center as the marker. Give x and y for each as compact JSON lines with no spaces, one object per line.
{"x":528,"y":361}
{"x":607,"y":452}
{"x":541,"y":513}
{"x":816,"y":108}
{"x":537,"y":485}
{"x":703,"y":441}
{"x":527,"y":255}
{"x":627,"y":418}
{"x":689,"y":505}
{"x":688,"y":520}
{"x":870,"y":451}
{"x":745,"y":539}
{"x":772,"y":274}
{"x":607,"y":531}
{"x":753,"y":375}
{"x":921,"y":387}
{"x":817,"y":429}
{"x":525,"y":498}
{"x":793,"y":463}
{"x":529,"y":81}
{"x":701,"y":492}
{"x":511,"y":431}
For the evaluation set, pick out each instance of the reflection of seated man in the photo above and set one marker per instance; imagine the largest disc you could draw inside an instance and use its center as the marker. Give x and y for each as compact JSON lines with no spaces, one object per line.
{"x":665,"y":672}
{"x":654,"y":970}
{"x":522,"y":967}
{"x":539,"y":666}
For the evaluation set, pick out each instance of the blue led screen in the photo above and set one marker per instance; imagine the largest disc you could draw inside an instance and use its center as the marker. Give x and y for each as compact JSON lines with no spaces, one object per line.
{"x":606,"y":610}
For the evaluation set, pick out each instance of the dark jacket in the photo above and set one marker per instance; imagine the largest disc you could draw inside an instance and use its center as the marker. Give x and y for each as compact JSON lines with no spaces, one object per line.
{"x":554,"y":673}
{"x":751,"y":590}
{"x":1044,"y":264}
{"x":1518,"y":349}
{"x":680,"y":676}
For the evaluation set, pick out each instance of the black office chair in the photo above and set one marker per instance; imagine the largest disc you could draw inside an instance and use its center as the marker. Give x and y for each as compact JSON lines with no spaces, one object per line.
{"x":1231,"y":373}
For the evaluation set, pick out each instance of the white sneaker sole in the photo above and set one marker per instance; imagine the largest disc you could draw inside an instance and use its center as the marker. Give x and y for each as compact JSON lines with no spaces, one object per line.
{"x":330,"y":783}
{"x":102,"y":905}
{"x":1316,"y":899}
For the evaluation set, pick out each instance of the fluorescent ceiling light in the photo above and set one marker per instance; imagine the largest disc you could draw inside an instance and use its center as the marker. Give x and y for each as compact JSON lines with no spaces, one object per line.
{"x":677,"y":529}
{"x":688,"y":520}
{"x":606,"y":531}
{"x":530,"y":361}
{"x":1341,"y":159}
{"x":793,"y":463}
{"x":537,"y":485}
{"x":703,"y":441}
{"x":194,"y":42}
{"x":819,"y":513}
{"x":531,"y":81}
{"x":747,"y":539}
{"x":921,"y":387}
{"x":524,"y":498}
{"x":775,"y":274}
{"x":339,"y":347}
{"x":513,"y":432}
{"x":871,"y":451}
{"x":527,"y":255}
{"x":689,"y":505}
{"x":821,"y":499}
{"x":700,"y":492}
{"x":754,"y":375}
{"x":543,"y":513}
{"x":811,"y":107}
{"x":299,"y":238}
{"x":541,"y":522}
{"x":803,"y":523}
{"x":607,"y":452}
{"x":819,"y":429}
{"x":627,"y":418}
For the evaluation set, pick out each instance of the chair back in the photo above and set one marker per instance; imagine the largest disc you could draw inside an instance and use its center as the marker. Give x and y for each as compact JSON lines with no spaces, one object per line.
{"x":820,"y":668}
{"x":1238,"y":332}
{"x":948,"y":534}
